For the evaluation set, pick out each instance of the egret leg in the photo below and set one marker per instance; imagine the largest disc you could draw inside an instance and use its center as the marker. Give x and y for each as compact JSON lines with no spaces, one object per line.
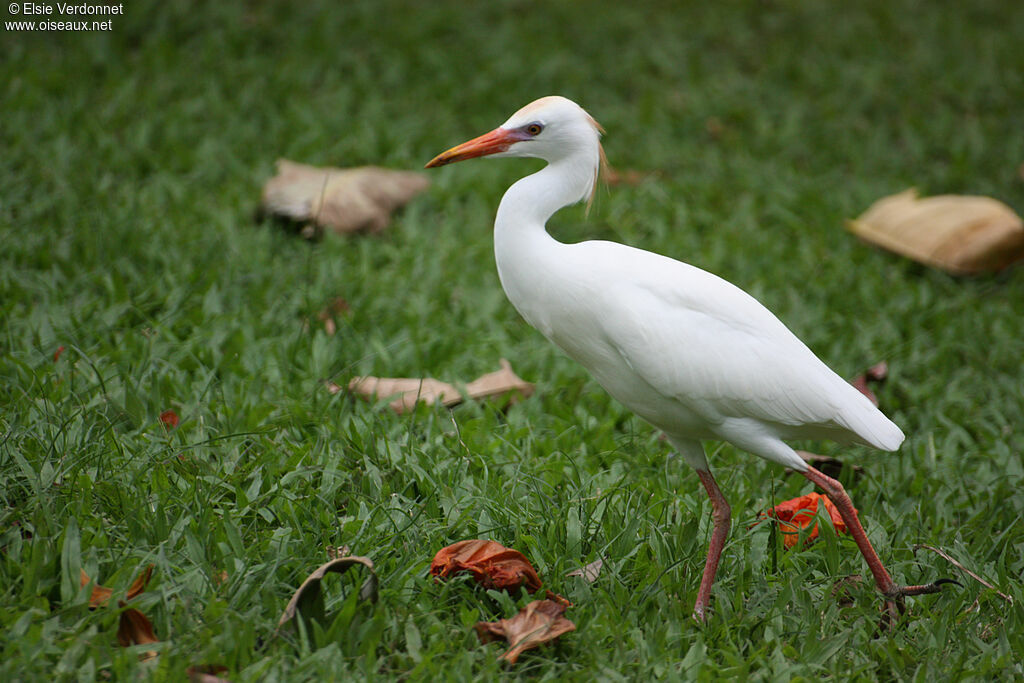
{"x":894,"y":593}
{"x":720,"y":516}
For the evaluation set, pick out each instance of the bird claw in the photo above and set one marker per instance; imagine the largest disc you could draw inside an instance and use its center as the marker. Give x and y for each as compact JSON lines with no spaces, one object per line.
{"x":897,"y":592}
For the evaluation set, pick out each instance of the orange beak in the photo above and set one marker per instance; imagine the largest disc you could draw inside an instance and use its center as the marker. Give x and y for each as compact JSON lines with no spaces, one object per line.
{"x":498,"y":140}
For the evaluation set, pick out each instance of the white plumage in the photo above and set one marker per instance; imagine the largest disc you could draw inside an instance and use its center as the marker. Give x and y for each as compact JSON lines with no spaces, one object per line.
{"x":689,"y":352}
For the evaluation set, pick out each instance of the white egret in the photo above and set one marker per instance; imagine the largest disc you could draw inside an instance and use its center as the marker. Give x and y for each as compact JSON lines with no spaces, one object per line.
{"x":692,"y":354}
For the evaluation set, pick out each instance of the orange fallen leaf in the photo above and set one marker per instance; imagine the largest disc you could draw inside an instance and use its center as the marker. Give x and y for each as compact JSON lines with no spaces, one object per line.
{"x":56,"y":354}
{"x":169,"y":418}
{"x":799,"y":513}
{"x":491,"y":564}
{"x":539,"y":622}
{"x":342,"y":199}
{"x":960,"y":234}
{"x":410,"y":390}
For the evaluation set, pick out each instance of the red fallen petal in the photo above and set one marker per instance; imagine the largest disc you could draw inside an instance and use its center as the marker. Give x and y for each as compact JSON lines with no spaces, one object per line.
{"x":169,"y":418}
{"x":798,"y":513}
{"x":56,"y":354}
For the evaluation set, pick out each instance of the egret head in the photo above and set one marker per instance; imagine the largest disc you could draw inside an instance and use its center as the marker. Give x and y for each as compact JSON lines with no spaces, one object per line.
{"x":551,"y":128}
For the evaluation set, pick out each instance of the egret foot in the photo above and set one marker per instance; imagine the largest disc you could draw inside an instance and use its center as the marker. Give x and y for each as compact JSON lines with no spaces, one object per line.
{"x":893,"y":592}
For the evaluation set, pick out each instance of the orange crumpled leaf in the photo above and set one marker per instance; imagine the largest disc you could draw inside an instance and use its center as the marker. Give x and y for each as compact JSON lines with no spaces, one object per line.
{"x":342,"y":199}
{"x":960,"y":234}
{"x":539,"y":622}
{"x":799,"y":513}
{"x":411,"y":390}
{"x":491,"y":564}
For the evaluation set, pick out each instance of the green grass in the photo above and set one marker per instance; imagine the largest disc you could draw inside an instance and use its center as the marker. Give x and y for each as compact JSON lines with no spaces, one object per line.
{"x":130,"y":171}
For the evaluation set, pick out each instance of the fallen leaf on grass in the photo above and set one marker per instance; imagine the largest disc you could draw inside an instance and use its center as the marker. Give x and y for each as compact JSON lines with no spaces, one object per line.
{"x":134,"y":627}
{"x":342,"y":199}
{"x":56,"y":354}
{"x":101,"y":594}
{"x":960,"y":234}
{"x":491,"y":564}
{"x":875,"y":374}
{"x":799,"y":513}
{"x":308,"y":600}
{"x":169,"y":418}
{"x":589,"y":572}
{"x":411,"y":390}
{"x":539,"y":622}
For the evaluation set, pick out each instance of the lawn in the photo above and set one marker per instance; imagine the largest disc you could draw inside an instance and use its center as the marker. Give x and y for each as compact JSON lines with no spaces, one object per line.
{"x":131,"y":163}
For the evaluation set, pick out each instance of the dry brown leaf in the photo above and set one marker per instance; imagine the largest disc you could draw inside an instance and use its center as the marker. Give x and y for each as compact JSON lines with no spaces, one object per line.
{"x":589,"y":572}
{"x":960,"y":234}
{"x":428,"y":390}
{"x":134,"y":628}
{"x":491,"y":564}
{"x":309,"y":593}
{"x":342,"y":199}
{"x":539,"y":622}
{"x":100,"y":595}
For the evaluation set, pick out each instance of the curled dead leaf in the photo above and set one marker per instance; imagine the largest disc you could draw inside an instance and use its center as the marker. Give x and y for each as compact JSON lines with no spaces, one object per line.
{"x":100,"y":595}
{"x":134,"y":627}
{"x":960,"y":234}
{"x":308,"y":599}
{"x":491,"y":564}
{"x":799,"y":513}
{"x":342,"y":199}
{"x":539,"y":622}
{"x":411,"y":390}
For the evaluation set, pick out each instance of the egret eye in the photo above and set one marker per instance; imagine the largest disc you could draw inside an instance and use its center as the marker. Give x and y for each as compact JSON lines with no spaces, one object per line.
{"x":534,"y":129}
